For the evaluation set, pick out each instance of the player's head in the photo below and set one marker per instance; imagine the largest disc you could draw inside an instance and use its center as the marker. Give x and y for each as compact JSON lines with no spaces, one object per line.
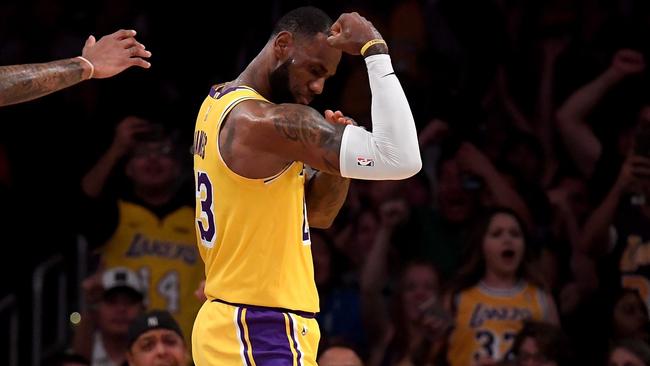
{"x":155,"y":338}
{"x":303,"y":59}
{"x":154,"y":163}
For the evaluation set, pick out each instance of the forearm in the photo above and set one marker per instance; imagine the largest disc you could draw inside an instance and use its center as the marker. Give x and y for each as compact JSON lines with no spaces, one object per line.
{"x":578,"y":137}
{"x":94,"y":181}
{"x":21,"y":83}
{"x":374,"y":267}
{"x":546,"y":114}
{"x":518,"y":118}
{"x":505,"y":195}
{"x":391,"y":151}
{"x":583,"y":101}
{"x":595,"y":235}
{"x":371,"y":283}
{"x":516,"y":115}
{"x":325,"y":195}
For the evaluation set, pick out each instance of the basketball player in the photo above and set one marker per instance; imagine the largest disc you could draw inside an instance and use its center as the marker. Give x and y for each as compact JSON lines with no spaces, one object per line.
{"x":101,"y":59}
{"x":253,"y":211}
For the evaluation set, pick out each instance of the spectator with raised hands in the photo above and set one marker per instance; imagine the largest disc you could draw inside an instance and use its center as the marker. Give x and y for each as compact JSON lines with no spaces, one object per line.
{"x":147,"y":226}
{"x":101,"y":59}
{"x":583,"y":146}
{"x":617,"y":231}
{"x":405,"y":333}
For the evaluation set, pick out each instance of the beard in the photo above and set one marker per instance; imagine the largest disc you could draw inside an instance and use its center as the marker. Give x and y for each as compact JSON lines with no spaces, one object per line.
{"x":279,"y":81}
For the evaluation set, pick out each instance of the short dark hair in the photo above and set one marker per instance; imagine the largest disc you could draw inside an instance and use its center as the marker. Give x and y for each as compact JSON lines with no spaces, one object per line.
{"x":305,"y":21}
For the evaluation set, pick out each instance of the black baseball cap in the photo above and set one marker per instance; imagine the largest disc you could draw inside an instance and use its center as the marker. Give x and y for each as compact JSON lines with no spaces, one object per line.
{"x":155,"y":319}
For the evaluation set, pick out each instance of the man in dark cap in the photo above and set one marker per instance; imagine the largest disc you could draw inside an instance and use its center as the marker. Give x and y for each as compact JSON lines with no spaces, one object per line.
{"x":155,"y":339}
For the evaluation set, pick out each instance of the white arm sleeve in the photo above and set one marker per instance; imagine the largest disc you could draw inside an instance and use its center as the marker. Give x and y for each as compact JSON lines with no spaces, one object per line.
{"x":391,"y":151}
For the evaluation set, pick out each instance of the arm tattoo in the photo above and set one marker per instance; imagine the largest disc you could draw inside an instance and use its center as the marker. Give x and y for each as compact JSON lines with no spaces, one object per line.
{"x":310,"y":128}
{"x":326,"y":190}
{"x":325,"y":195}
{"x":21,"y":83}
{"x":229,"y":130}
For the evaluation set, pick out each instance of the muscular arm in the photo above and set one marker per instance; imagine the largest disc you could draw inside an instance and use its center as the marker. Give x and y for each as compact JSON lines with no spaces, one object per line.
{"x":298,"y":133}
{"x":325,"y":194}
{"x":292,"y":132}
{"x":21,"y":83}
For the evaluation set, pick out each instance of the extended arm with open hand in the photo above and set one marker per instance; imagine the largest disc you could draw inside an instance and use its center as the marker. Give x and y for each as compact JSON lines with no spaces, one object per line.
{"x":107,"y":57}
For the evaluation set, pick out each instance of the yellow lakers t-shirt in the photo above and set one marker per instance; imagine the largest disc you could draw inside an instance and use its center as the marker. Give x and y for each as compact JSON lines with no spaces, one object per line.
{"x":487,"y":321}
{"x":163,"y":252}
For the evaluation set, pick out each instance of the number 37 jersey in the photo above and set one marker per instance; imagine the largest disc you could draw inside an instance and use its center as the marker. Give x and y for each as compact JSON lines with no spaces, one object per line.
{"x":487,"y":321}
{"x":253,"y":234}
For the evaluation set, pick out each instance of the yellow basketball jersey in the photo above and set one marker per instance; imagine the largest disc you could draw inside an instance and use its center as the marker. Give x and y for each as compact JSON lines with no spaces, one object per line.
{"x":253,"y":234}
{"x":163,"y":251}
{"x":487,"y":321}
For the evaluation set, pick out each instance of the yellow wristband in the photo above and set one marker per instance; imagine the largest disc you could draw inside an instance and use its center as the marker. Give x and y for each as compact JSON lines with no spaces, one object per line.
{"x":370,"y":43}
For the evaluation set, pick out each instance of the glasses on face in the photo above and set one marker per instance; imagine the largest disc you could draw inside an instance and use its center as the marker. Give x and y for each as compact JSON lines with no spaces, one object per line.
{"x":160,"y":150}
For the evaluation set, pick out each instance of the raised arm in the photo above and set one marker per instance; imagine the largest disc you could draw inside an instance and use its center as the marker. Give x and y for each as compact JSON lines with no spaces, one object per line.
{"x":473,"y":161}
{"x":375,"y":312}
{"x":93,"y":183}
{"x":299,"y":133}
{"x":582,"y":144}
{"x":595,"y":234}
{"x":109,"y":56}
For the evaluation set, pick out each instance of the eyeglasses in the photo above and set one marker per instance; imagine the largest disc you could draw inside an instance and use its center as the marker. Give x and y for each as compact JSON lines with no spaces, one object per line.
{"x":161,"y":150}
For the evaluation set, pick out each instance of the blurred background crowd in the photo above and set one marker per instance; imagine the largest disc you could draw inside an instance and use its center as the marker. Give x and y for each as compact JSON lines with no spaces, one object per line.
{"x":524,"y":240}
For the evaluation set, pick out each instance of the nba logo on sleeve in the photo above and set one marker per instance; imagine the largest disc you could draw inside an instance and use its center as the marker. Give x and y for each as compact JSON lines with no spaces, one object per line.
{"x":365,"y":161}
